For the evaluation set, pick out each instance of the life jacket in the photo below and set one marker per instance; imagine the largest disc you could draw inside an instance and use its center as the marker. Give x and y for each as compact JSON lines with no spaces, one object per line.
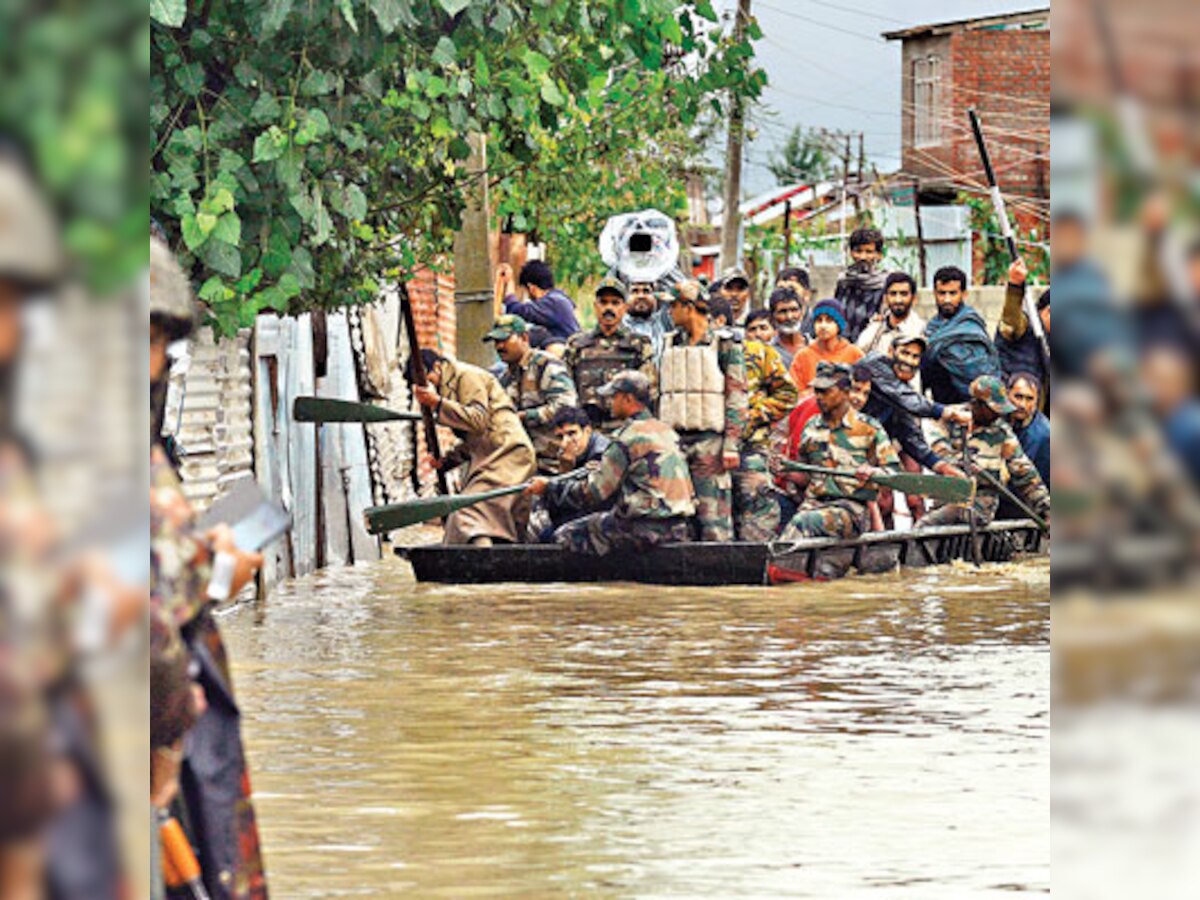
{"x":692,"y":388}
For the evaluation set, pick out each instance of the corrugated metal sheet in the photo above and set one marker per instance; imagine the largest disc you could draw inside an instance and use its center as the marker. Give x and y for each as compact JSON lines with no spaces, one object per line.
{"x":209,"y":412}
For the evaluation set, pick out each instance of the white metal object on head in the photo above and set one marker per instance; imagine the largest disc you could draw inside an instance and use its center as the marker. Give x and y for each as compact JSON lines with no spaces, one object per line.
{"x":651,"y":263}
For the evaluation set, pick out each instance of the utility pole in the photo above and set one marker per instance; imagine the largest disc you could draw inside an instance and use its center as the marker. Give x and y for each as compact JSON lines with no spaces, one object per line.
{"x":845,"y":188}
{"x":472,"y":269}
{"x":731,"y":219}
{"x":920,"y":232}
{"x":787,"y":233}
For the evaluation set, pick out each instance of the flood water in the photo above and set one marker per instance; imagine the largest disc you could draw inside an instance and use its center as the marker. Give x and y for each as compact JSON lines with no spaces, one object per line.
{"x":878,"y":737}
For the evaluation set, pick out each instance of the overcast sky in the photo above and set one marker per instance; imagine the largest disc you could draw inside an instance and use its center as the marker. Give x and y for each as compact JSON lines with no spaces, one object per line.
{"x":828,"y":67}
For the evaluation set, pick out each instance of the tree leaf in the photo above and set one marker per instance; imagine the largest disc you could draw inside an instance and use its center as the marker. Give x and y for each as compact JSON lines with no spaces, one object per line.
{"x":222,"y":257}
{"x":289,"y":285}
{"x":168,"y":12}
{"x":537,"y":64}
{"x":266,"y":108}
{"x":190,"y":78}
{"x":273,"y":16}
{"x":193,"y":237}
{"x":445,"y":53}
{"x":346,"y":8}
{"x":229,"y":229}
{"x":269,"y":145}
{"x":551,"y":94}
{"x":213,"y":290}
{"x":440,"y":128}
{"x":391,"y":13}
{"x":454,"y":7}
{"x":313,"y":126}
{"x":350,"y":201}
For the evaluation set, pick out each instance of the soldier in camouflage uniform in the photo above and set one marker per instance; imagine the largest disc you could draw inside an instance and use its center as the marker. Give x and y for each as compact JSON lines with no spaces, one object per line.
{"x":839,"y":438}
{"x":643,"y":469}
{"x":215,"y":779}
{"x":992,"y":446}
{"x":538,"y":385}
{"x":702,"y":395}
{"x":772,"y":395}
{"x":594,"y":357}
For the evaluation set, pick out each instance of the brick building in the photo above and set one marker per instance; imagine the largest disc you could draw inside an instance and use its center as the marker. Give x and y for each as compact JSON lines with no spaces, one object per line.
{"x":1001,"y":66}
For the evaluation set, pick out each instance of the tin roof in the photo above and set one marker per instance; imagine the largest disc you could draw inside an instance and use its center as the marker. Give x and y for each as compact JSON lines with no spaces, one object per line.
{"x":1036,"y":18}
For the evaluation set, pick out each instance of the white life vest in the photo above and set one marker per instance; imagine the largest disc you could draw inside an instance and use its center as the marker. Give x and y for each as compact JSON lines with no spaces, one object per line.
{"x":692,"y":389}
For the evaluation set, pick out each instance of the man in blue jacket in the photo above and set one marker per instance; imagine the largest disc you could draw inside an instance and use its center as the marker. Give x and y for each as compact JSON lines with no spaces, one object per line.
{"x":547,"y":305}
{"x":959,"y":349}
{"x":1028,"y":422}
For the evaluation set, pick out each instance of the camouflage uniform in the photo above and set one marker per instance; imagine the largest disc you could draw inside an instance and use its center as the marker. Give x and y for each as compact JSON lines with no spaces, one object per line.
{"x":647,"y":472}
{"x":539,"y":386}
{"x":704,"y":448}
{"x":772,"y":395}
{"x":994,"y":448}
{"x":593,"y":359}
{"x":837,"y":507}
{"x":215,"y":780}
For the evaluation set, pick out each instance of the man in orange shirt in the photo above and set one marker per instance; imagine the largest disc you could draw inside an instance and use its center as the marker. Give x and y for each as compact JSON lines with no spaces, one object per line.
{"x":829,"y":323}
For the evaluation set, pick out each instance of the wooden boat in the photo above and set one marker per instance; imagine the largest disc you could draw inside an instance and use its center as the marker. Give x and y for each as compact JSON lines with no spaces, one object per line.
{"x":709,"y":564}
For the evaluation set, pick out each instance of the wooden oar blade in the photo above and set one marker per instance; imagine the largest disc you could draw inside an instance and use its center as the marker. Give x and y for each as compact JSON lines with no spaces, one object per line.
{"x":381,"y":519}
{"x":937,"y":487}
{"x":326,"y":409}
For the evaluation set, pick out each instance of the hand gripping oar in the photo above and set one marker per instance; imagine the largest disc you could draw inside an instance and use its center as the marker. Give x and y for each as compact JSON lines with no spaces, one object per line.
{"x":412,"y":512}
{"x":1027,"y":304}
{"x":1013,"y":498}
{"x":325,"y":409}
{"x":939,"y":487}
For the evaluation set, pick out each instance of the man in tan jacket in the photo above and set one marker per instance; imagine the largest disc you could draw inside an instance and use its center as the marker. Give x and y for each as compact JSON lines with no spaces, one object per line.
{"x":493,"y":444}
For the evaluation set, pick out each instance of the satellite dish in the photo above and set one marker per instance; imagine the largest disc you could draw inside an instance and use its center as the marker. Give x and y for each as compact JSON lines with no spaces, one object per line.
{"x":640,"y":246}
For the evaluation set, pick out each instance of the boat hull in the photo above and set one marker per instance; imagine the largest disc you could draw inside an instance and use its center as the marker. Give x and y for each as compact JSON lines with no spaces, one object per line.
{"x":734,"y":563}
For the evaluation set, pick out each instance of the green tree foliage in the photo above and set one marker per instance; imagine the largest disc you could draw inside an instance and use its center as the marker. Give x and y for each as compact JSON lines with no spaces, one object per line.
{"x":304,"y":152}
{"x":803,"y":158}
{"x":73,"y":104}
{"x":993,"y":250}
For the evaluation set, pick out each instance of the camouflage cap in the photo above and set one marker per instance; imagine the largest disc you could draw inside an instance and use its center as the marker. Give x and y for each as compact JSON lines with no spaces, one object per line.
{"x":831,"y":375}
{"x":735,"y":273}
{"x":612,"y":285}
{"x":630,"y":382}
{"x":989,"y":390}
{"x":506,"y":326}
{"x":170,"y":293}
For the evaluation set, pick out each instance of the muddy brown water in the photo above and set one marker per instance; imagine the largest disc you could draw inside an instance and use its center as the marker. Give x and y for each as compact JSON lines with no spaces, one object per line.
{"x":886,"y":736}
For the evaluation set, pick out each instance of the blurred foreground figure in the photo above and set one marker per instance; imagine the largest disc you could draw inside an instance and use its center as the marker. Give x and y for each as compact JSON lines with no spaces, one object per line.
{"x":40,"y":610}
{"x":185,"y":582}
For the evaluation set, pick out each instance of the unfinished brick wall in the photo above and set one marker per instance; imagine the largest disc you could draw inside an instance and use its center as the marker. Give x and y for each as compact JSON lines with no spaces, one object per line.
{"x":432,"y":297}
{"x":1005,"y":75}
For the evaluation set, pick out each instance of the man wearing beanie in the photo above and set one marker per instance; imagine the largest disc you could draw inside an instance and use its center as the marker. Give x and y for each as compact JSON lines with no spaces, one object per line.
{"x":828,"y":345}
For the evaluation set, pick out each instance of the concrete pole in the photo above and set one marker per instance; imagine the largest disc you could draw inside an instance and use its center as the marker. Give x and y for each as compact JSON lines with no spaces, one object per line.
{"x":472,"y":269}
{"x":731,"y":218}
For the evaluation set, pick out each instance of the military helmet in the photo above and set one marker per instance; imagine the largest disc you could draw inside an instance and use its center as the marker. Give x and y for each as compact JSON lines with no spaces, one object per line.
{"x":30,"y":251}
{"x":170,"y":293}
{"x":989,"y":390}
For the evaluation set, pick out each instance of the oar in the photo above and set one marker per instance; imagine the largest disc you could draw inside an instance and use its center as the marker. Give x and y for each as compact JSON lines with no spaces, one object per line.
{"x":939,"y":487}
{"x":412,"y":512}
{"x":1013,"y":498}
{"x":325,"y":409}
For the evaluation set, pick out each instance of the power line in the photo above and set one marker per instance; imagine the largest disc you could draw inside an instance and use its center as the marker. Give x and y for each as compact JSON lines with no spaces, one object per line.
{"x":874,"y":39}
